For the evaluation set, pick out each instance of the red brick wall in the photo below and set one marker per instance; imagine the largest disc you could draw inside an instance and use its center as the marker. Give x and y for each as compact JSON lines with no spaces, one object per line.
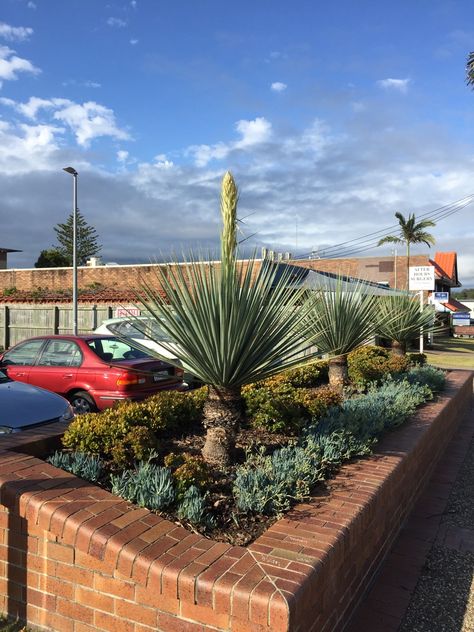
{"x":74,"y":558}
{"x":124,"y":277}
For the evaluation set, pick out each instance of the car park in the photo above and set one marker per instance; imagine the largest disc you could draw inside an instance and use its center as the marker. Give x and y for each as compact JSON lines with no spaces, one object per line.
{"x":92,"y":371}
{"x":23,"y":406}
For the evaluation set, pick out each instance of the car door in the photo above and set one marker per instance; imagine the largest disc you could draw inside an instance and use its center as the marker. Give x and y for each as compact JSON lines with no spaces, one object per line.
{"x":56,"y":368}
{"x":18,"y":361}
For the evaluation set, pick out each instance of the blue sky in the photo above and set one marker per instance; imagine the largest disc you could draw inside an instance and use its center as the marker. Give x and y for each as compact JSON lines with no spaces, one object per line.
{"x":332,"y":117}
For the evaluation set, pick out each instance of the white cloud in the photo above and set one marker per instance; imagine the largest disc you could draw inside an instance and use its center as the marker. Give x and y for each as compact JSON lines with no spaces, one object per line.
{"x":133,"y":4}
{"x":31,"y":5}
{"x":15,"y":33}
{"x":133,"y":41}
{"x":27,"y":148}
{"x":122,"y":155}
{"x":90,"y":120}
{"x":278,"y":86}
{"x":87,"y":121}
{"x":11,"y":65}
{"x":31,"y":108}
{"x":116,"y":23}
{"x":252,"y":133}
{"x":401,"y":85}
{"x":83,"y":84}
{"x":338,"y":184}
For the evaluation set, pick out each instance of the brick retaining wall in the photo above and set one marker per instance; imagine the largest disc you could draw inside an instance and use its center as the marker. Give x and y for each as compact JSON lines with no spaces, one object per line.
{"x":74,"y":558}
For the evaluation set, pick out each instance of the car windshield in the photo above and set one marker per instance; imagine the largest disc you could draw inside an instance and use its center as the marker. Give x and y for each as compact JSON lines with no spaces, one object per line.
{"x":111,"y":349}
{"x":148,"y":328}
{"x":4,"y":377}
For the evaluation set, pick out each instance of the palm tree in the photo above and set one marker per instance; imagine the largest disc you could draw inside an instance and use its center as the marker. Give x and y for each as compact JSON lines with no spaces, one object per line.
{"x":401,"y":320}
{"x":411,"y":232}
{"x":338,"y":322}
{"x":470,"y":70}
{"x":232,"y":323}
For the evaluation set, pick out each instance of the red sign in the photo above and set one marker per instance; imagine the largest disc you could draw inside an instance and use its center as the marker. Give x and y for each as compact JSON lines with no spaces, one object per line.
{"x":123,"y":312}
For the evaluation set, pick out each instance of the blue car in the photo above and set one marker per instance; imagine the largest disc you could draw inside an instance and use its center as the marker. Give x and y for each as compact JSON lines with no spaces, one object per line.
{"x":23,"y":406}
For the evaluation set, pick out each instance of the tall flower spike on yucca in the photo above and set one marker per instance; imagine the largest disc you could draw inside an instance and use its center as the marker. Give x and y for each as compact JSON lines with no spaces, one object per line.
{"x":229,"y":197}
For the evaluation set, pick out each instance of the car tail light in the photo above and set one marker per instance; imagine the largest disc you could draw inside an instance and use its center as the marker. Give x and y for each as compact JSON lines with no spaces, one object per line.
{"x":128,"y":379}
{"x":179,"y":372}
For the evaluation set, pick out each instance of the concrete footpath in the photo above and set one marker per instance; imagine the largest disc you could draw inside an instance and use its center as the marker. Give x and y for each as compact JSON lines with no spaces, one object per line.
{"x":426,"y":583}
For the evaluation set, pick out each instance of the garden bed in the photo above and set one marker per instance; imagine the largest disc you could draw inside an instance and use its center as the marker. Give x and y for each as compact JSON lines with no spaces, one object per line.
{"x":76,"y":557}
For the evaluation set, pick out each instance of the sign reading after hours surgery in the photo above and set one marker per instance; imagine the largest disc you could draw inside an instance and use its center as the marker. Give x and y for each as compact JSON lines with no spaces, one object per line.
{"x":422,"y":278}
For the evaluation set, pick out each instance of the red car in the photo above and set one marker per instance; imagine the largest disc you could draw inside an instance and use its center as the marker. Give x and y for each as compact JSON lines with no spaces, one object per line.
{"x":92,"y":371}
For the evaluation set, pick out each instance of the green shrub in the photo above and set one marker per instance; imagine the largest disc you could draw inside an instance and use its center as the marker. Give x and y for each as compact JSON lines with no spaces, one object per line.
{"x":306,"y":377}
{"x":430,"y":376}
{"x":317,"y":402}
{"x":278,"y":406}
{"x":193,"y":508}
{"x":270,"y":484}
{"x":136,"y":445}
{"x":370,"y":363}
{"x":381,"y":408}
{"x":273,"y":405}
{"x":83,"y":465}
{"x":188,"y":471}
{"x":417,"y":359}
{"x":148,"y":485}
{"x":128,"y":432}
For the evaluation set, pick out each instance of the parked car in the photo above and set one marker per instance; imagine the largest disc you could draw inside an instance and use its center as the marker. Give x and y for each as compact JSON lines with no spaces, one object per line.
{"x":23,"y":406}
{"x":92,"y":371}
{"x":141,"y":329}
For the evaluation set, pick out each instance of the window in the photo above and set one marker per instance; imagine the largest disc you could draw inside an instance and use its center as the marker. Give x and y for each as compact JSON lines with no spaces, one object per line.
{"x":61,"y":353}
{"x":112,"y":349}
{"x":23,"y":355}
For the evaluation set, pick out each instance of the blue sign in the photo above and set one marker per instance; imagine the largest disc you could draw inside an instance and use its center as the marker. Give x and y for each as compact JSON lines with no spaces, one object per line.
{"x":441,"y":296}
{"x":461,"y":319}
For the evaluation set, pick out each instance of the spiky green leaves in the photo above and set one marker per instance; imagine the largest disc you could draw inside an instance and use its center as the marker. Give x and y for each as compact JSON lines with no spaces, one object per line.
{"x":230,"y":329}
{"x":339,"y":321}
{"x":401,"y":318}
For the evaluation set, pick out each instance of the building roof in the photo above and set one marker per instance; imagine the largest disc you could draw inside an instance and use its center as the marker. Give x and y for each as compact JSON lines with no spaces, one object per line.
{"x":455,"y":306}
{"x":446,"y":267}
{"x":9,"y":250}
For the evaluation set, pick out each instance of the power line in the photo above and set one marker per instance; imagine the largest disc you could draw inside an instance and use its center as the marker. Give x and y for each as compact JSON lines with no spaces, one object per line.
{"x":351,"y":246}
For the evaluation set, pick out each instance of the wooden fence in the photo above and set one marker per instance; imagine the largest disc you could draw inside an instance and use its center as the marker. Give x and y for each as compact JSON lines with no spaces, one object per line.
{"x":18,"y":322}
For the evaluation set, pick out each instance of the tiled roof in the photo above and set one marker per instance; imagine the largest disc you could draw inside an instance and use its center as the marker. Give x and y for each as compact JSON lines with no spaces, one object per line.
{"x":446,"y":261}
{"x":455,"y":306}
{"x":104,"y":295}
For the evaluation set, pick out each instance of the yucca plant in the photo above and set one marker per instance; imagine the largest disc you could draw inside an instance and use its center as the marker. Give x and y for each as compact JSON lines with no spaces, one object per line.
{"x":401,"y":320}
{"x":231,"y":323}
{"x":338,"y":322}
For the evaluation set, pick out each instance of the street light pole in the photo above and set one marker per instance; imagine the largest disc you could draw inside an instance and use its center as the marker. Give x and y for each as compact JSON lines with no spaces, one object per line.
{"x":73,"y":172}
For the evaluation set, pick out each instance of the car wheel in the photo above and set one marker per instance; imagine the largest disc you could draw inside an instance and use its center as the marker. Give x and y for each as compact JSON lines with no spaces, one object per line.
{"x":82,"y":403}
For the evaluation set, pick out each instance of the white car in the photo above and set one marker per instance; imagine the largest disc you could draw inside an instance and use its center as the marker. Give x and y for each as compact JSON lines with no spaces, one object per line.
{"x":24,"y":406}
{"x":149,"y":328}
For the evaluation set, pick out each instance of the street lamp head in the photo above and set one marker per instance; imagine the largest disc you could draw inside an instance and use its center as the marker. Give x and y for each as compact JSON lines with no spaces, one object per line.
{"x":70,"y":170}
